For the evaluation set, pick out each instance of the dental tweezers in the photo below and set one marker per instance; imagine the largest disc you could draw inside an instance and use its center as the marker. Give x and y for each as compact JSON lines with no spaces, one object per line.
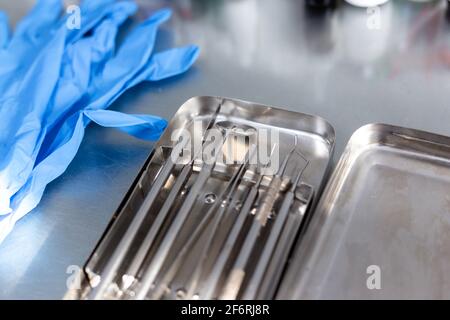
{"x":237,"y":275}
{"x":167,"y":242}
{"x":226,"y":194}
{"x":275,"y":232}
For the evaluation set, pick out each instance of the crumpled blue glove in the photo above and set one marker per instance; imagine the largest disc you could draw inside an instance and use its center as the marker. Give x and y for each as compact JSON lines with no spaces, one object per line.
{"x":36,"y":29}
{"x":79,"y":75}
{"x":26,"y":104}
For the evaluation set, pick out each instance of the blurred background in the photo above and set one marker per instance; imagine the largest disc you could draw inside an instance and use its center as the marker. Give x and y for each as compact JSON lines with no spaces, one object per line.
{"x":383,"y":62}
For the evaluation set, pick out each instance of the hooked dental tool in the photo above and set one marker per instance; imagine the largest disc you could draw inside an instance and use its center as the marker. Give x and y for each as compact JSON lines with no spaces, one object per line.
{"x":255,"y":280}
{"x":287,"y":237}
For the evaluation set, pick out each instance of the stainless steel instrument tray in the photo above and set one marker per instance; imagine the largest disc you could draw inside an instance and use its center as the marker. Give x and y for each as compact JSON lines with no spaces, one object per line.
{"x":386,"y":205}
{"x":313,"y":135}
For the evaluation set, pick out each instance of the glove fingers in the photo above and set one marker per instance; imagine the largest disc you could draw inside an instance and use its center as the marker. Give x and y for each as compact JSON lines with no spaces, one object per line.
{"x":82,"y":61}
{"x":159,"y":16}
{"x":103,"y":41}
{"x":42,"y":18}
{"x":88,"y":75}
{"x":85,"y":56}
{"x":140,"y":126}
{"x":137,"y":48}
{"x":150,"y":131}
{"x":37,"y":28}
{"x":92,"y":13}
{"x":129,"y":60}
{"x":122,"y":10}
{"x":161,"y":66}
{"x":171,"y":62}
{"x":89,"y":5}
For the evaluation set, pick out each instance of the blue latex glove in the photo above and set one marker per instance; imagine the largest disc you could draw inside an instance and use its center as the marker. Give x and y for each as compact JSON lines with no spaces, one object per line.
{"x":90,"y":55}
{"x":22,"y":115}
{"x":27,"y":123}
{"x":116,"y":72}
{"x":38,"y":28}
{"x":17,"y":50}
{"x":52,"y":139}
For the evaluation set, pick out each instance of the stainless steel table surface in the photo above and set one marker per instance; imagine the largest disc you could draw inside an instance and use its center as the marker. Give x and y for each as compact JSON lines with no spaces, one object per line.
{"x":275,"y":52}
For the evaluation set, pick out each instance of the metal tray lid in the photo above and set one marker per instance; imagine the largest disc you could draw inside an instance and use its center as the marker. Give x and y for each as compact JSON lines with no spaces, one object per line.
{"x":381,"y":229}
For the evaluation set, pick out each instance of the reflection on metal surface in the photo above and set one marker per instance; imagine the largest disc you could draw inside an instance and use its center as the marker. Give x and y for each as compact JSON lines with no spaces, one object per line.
{"x":369,"y":45}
